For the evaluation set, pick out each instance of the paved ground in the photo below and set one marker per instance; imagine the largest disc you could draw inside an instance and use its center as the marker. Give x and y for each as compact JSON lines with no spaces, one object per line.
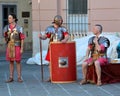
{"x":32,"y":85}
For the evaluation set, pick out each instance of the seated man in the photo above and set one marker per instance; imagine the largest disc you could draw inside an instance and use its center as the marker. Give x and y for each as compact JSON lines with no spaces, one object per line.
{"x":97,"y":49}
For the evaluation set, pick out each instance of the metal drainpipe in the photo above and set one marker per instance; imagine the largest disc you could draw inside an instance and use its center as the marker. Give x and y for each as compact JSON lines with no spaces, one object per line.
{"x":58,"y":7}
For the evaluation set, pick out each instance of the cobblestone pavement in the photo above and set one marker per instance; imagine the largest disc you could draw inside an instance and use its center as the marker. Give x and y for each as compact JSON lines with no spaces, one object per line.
{"x":33,"y":86}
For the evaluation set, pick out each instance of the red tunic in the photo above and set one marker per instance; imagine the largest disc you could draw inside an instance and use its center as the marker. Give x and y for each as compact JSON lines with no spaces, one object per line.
{"x":102,"y":60}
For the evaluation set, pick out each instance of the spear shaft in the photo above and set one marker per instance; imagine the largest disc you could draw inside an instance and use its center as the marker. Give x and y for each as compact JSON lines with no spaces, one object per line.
{"x":42,"y":72}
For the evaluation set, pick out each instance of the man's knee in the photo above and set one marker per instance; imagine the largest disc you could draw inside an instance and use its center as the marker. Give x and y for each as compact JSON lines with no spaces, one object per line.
{"x":84,"y":65}
{"x":11,"y":62}
{"x":96,"y":62}
{"x":18,"y":62}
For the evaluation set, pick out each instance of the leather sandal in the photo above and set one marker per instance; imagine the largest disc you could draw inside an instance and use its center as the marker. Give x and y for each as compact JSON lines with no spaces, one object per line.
{"x":48,"y":80}
{"x":99,"y":83}
{"x":20,"y":80}
{"x":9,"y":80}
{"x":82,"y":82}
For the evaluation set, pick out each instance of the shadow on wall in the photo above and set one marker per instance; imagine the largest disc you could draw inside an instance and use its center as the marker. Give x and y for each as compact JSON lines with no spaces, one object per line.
{"x":28,"y":46}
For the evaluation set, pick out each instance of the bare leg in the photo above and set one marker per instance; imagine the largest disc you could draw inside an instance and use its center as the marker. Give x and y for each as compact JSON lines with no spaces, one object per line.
{"x":84,"y":71}
{"x":19,"y":71}
{"x":98,"y":72}
{"x":11,"y":69}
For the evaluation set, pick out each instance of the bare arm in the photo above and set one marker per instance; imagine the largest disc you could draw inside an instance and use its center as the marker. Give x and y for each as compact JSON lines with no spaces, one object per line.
{"x":98,"y":47}
{"x":97,"y":44}
{"x":87,"y":53}
{"x":65,"y":39}
{"x":22,"y":43}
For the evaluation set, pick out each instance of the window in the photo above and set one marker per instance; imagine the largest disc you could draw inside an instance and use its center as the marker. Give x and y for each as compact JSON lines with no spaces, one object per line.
{"x":8,"y":9}
{"x":77,"y":6}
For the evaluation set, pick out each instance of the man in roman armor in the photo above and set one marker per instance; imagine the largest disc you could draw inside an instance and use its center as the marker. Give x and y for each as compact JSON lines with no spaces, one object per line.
{"x":56,"y":33}
{"x":96,"y":53}
{"x":14,"y":38}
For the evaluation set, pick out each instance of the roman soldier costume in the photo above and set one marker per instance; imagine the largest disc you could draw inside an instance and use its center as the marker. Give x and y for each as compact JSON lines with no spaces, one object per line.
{"x":56,"y":34}
{"x":13,"y":36}
{"x":95,"y":54}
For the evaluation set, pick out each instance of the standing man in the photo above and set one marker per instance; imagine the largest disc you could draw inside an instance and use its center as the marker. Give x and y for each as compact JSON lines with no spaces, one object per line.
{"x":57,"y":33}
{"x":97,"y":50}
{"x":14,"y":38}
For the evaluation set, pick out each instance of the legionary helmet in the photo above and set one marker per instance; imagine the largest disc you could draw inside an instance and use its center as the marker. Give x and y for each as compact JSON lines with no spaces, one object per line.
{"x":58,"y":20}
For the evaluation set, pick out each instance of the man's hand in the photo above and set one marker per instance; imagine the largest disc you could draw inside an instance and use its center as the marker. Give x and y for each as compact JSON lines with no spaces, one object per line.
{"x":96,"y":40}
{"x":64,"y":41}
{"x":42,"y":36}
{"x":97,"y":44}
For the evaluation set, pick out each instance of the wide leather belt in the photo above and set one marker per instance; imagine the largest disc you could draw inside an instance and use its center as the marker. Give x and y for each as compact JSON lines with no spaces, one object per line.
{"x":17,"y":43}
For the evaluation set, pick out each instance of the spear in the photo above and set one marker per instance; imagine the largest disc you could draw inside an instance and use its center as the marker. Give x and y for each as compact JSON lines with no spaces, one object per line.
{"x":40,"y":45}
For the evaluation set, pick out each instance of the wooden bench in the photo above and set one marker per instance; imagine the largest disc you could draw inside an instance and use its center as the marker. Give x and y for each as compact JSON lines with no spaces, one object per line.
{"x":109,"y":73}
